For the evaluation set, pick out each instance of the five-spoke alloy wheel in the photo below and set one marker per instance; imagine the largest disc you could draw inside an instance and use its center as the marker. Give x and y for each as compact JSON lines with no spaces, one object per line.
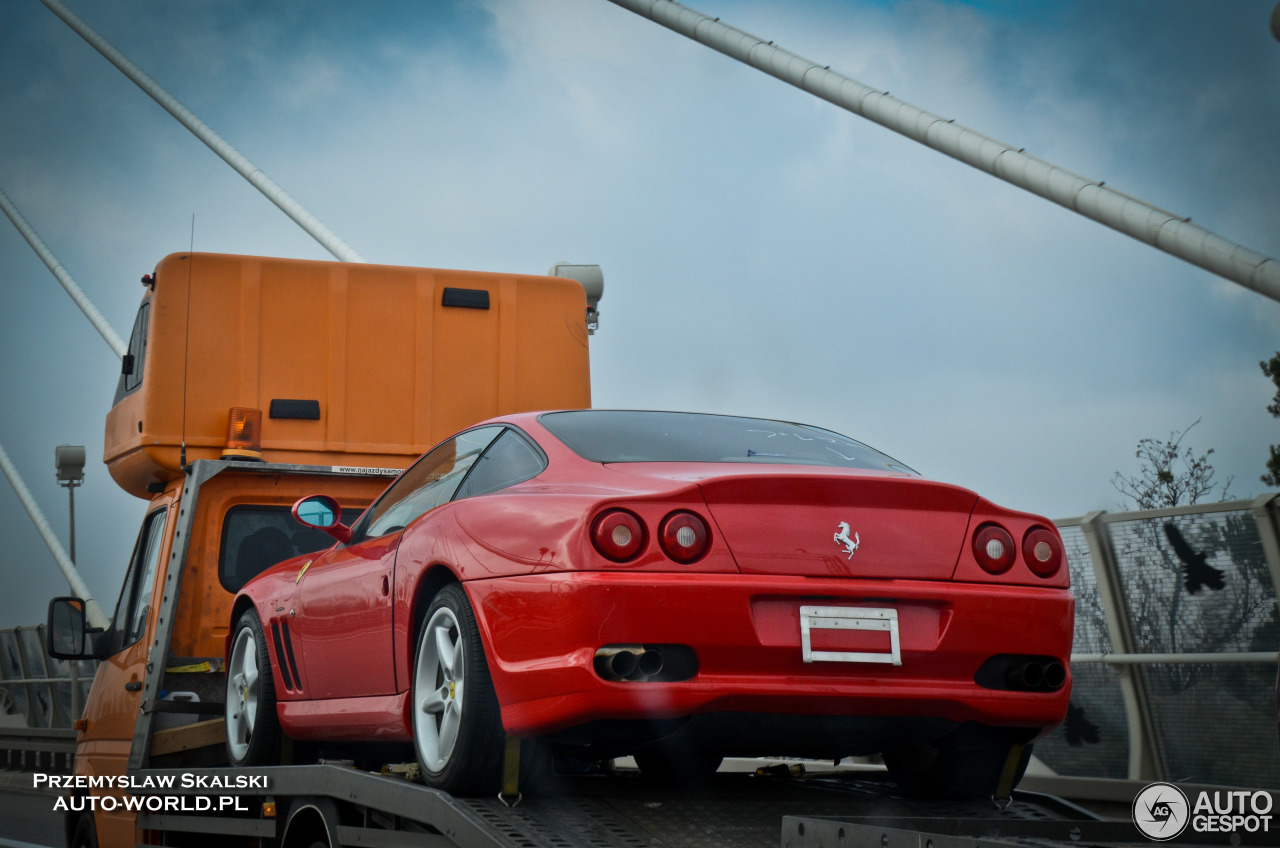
{"x":253,"y":729}
{"x":457,"y":728}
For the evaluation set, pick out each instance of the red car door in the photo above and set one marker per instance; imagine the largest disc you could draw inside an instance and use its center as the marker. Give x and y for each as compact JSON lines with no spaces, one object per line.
{"x":344,"y":620}
{"x":344,"y":596}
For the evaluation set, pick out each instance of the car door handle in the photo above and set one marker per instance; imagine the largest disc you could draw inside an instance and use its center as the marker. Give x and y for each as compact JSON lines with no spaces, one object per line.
{"x":386,"y":585}
{"x":133,"y":686}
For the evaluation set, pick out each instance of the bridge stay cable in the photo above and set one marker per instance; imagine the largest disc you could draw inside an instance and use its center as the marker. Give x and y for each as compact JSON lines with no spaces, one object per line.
{"x":93,"y":612}
{"x":273,"y":192}
{"x":277,"y":195}
{"x":1167,"y":231}
{"x":104,"y":328}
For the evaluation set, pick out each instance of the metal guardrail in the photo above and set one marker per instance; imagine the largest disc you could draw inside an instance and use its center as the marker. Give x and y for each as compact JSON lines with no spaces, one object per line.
{"x":1177,"y":625}
{"x":1269,"y":657}
{"x":48,"y":750}
{"x":36,"y":690}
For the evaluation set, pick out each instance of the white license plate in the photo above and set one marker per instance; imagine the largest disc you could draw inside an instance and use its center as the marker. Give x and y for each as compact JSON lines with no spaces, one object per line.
{"x":849,"y":618}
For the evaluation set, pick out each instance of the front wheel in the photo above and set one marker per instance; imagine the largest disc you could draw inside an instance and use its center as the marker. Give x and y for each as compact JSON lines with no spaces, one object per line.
{"x":253,"y":729}
{"x":457,"y":725}
{"x":86,"y":834}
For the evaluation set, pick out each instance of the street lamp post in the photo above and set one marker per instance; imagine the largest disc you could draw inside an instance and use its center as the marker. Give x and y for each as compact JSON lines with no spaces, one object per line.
{"x":69,"y":462}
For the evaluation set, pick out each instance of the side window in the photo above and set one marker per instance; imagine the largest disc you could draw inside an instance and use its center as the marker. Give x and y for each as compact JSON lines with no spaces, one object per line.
{"x":428,"y":483}
{"x":254,"y":538}
{"x":138,"y":347}
{"x":131,"y":368}
{"x":135,"y":598}
{"x":509,"y":460}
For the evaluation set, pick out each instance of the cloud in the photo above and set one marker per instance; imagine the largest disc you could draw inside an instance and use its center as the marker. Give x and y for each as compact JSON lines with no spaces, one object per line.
{"x":764,"y":252}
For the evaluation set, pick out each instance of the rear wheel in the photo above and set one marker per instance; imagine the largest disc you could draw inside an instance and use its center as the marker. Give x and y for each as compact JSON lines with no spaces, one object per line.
{"x":457,"y":726}
{"x":958,"y":767}
{"x":253,"y":729}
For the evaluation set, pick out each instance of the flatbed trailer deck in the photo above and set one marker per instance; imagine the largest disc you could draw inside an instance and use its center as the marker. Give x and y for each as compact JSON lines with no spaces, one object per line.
{"x":339,"y":805}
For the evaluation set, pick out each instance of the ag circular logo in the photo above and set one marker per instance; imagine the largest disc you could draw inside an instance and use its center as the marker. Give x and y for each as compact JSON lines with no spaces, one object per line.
{"x":1161,"y":811}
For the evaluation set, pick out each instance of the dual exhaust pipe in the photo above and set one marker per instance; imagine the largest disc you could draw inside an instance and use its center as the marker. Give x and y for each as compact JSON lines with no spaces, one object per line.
{"x":629,"y":662}
{"x":1022,"y":673}
{"x":633,"y":663}
{"x":1036,"y":676}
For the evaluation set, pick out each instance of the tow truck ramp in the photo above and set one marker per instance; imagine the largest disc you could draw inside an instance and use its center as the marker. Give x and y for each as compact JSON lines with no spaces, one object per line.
{"x":337,"y":805}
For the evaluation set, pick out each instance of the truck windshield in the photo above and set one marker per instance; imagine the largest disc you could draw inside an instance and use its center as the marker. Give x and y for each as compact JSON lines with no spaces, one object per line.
{"x":606,"y":435}
{"x":254,"y":538}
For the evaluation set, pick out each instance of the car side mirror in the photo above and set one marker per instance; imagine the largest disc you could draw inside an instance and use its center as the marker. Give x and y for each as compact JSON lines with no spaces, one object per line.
{"x":321,"y":512}
{"x":67,"y":637}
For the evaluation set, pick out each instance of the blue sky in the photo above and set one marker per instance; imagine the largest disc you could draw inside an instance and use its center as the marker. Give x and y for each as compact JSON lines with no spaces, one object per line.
{"x":764,"y":252}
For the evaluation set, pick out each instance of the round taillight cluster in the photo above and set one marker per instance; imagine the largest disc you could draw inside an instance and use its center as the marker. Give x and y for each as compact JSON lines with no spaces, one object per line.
{"x":684,"y":537}
{"x":619,"y":535}
{"x":1042,"y":549}
{"x":994,"y":549}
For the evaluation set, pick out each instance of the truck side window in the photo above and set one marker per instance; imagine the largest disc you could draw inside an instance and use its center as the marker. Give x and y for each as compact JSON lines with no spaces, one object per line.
{"x":135,"y":596}
{"x":131,"y":376}
{"x":426,"y":484}
{"x":254,"y":538}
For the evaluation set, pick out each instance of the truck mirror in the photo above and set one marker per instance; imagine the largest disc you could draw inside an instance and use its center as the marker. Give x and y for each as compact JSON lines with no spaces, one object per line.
{"x":322,"y":513}
{"x":66,"y":631}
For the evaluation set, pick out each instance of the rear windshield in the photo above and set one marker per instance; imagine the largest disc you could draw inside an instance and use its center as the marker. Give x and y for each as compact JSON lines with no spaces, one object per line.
{"x":602,"y":435}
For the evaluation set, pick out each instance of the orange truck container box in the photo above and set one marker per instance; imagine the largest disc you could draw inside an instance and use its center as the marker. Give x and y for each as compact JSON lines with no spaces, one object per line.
{"x":350,"y":364}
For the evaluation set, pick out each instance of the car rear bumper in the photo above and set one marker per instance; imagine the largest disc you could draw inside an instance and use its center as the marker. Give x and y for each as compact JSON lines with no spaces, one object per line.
{"x":542,"y":632}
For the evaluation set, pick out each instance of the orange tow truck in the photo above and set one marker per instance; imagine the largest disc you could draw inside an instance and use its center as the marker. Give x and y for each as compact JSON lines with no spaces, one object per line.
{"x":250,"y":382}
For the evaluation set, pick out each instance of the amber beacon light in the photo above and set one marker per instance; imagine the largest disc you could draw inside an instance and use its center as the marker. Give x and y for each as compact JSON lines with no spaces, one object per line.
{"x":244,"y":434}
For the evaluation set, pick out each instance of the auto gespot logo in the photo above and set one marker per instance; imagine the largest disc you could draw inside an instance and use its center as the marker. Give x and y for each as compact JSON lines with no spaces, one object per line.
{"x":1162,"y":811}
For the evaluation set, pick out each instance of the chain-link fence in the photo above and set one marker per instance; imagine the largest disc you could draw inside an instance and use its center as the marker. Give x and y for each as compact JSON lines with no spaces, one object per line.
{"x":1174,"y":664}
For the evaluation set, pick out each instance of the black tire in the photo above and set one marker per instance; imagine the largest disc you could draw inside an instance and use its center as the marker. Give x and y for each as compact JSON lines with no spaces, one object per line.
{"x":253,"y":728}
{"x":86,"y":833}
{"x":457,"y":725}
{"x":955,"y":768}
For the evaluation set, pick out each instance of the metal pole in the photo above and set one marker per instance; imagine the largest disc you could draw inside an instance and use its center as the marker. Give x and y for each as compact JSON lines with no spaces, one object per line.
{"x":1174,"y":234}
{"x":93,"y":613}
{"x":1266,"y":657}
{"x":1144,"y":763}
{"x":328,"y":240}
{"x":73,"y":666}
{"x":117,"y":345}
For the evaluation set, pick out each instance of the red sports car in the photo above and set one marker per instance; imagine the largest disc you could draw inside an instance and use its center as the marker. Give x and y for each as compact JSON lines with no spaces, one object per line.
{"x":677,"y":586}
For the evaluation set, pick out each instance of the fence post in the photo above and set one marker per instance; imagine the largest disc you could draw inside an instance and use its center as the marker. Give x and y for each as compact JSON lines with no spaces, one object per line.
{"x":1143,"y":762}
{"x":1264,"y":513}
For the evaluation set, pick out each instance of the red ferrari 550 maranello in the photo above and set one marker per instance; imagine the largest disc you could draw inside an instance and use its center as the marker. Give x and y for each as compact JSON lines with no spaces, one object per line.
{"x":676,"y":586}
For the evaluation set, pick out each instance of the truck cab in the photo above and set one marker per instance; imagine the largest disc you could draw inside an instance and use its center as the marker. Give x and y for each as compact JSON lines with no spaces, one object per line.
{"x":251,"y":382}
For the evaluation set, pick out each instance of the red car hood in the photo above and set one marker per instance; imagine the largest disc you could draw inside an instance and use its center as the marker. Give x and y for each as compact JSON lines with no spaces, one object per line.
{"x":786,"y":519}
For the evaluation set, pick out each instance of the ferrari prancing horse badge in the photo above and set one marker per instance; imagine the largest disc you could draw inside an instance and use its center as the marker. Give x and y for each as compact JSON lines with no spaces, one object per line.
{"x":842,"y":537}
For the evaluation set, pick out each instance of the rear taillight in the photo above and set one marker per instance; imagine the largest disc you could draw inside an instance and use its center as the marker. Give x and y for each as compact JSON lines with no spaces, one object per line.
{"x":1042,"y":549}
{"x":618,"y":535}
{"x":684,"y":536}
{"x":993,"y":548}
